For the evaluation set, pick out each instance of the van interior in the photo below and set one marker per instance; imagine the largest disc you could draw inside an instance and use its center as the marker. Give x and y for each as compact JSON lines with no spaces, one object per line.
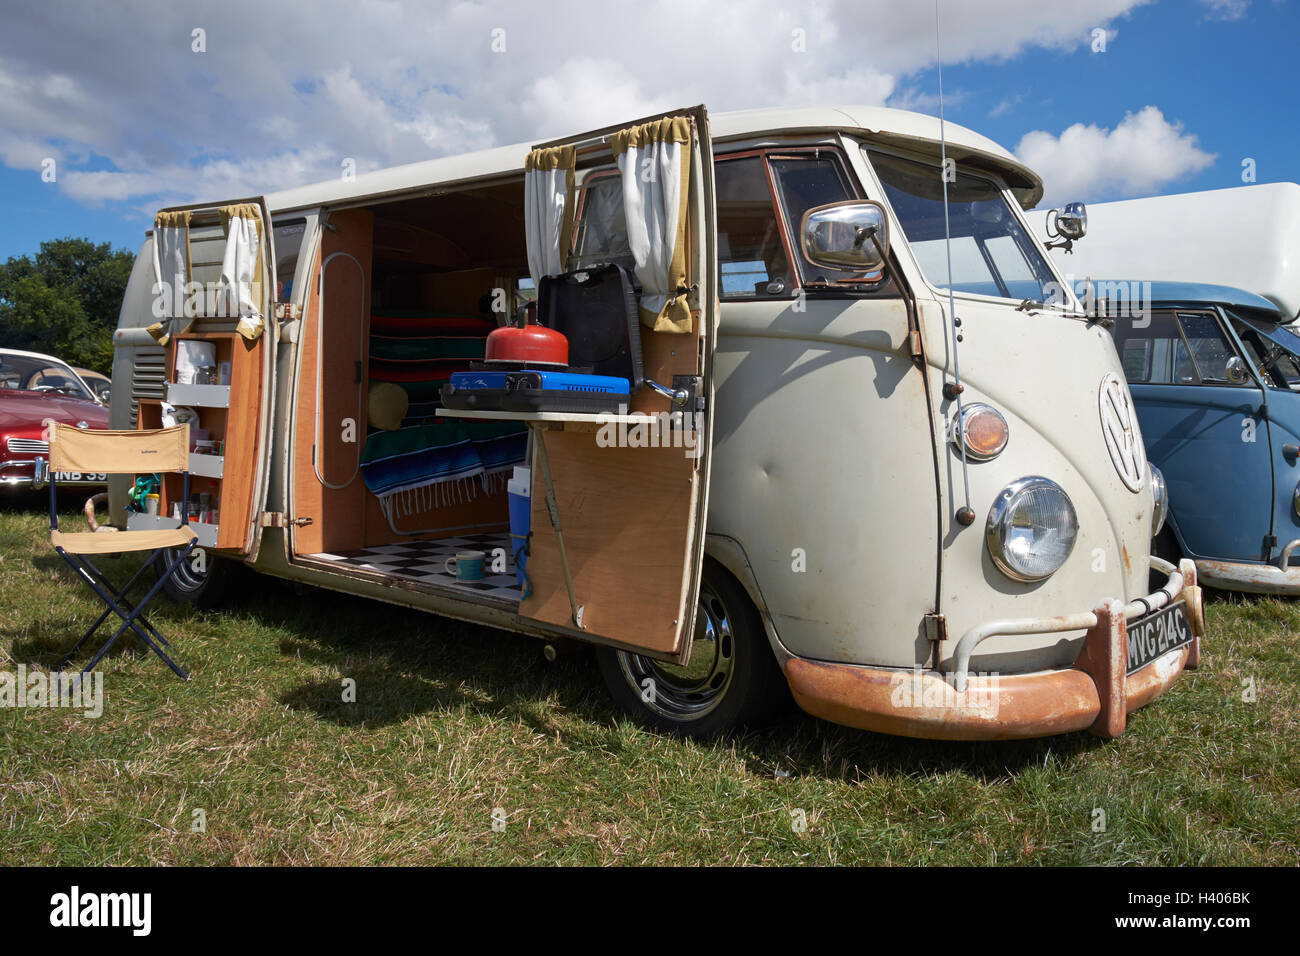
{"x":409,"y":292}
{"x":406,"y":298}
{"x":387,"y":485}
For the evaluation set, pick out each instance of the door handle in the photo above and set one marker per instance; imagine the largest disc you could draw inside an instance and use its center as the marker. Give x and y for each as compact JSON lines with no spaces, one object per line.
{"x":1291,"y":452}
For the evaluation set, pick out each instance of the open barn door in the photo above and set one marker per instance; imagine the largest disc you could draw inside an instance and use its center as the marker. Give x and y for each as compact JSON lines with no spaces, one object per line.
{"x":618,"y":503}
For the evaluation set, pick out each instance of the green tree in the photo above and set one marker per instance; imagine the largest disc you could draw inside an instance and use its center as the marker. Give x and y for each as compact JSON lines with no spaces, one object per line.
{"x":64,"y":301}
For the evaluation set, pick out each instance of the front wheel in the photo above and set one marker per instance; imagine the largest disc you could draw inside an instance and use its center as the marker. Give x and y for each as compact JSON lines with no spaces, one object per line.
{"x":731,"y":680}
{"x":203,"y":579}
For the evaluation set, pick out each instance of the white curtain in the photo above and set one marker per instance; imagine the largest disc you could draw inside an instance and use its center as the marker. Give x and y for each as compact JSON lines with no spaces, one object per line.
{"x":548,"y":209}
{"x":652,"y":159}
{"x":241,"y":267}
{"x":171,"y":269}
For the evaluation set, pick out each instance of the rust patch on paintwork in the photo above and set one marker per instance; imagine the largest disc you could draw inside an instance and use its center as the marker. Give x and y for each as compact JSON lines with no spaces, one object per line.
{"x":1123,"y":553}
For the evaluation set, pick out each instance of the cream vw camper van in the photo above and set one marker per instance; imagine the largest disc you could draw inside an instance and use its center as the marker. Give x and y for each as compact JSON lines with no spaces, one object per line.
{"x":918,"y":502}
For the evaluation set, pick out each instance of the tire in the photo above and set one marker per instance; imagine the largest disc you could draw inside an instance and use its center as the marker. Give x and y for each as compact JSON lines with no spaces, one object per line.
{"x":208,"y":589}
{"x":732,"y":680}
{"x":1165,"y":545}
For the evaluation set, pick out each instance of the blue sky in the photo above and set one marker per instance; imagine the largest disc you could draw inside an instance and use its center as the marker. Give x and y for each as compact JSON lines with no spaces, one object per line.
{"x":135,"y":117}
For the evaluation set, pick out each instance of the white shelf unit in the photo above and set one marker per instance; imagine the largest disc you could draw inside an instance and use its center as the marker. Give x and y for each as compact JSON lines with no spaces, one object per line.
{"x":583,"y":418}
{"x":208,"y":466}
{"x":201,"y":396}
{"x":206,"y":533}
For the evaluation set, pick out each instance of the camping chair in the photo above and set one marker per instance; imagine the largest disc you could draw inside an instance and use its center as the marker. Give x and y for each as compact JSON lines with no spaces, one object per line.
{"x":121,"y":452}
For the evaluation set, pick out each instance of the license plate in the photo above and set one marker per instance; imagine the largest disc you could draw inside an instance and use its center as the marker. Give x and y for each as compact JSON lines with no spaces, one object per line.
{"x":1157,"y":634}
{"x":62,"y":476}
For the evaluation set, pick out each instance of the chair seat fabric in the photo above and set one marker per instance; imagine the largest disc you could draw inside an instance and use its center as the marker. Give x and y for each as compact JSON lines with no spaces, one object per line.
{"x":91,"y":542}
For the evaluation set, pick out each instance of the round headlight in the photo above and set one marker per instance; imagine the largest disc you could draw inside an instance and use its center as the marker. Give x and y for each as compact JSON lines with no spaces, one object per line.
{"x":982,"y":430}
{"x":1031,"y":529}
{"x":1160,"y":492}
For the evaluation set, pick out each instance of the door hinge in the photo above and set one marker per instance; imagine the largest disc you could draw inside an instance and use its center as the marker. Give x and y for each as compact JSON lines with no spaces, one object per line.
{"x":936,"y":628}
{"x":275,"y":519}
{"x":287,"y":311}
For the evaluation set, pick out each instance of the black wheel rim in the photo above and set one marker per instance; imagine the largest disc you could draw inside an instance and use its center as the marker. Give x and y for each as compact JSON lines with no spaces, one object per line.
{"x":690,"y":692}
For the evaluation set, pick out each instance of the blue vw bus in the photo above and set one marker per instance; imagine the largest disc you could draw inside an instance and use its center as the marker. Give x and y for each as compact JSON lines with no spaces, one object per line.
{"x":1215,"y":376}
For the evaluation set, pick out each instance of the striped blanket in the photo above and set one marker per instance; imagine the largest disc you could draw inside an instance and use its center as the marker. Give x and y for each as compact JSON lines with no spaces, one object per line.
{"x":433,"y":466}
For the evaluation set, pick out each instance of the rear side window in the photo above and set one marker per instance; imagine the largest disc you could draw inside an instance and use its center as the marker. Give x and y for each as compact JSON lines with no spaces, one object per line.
{"x":1184,"y":348}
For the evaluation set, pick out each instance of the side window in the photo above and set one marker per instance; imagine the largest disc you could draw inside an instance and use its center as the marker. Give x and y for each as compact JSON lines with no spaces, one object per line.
{"x":1174,"y":349}
{"x":751,"y":256}
{"x":804,"y":182}
{"x":1210,"y":349}
{"x":600,"y":234}
{"x":1276,"y":366}
{"x":287,"y":236}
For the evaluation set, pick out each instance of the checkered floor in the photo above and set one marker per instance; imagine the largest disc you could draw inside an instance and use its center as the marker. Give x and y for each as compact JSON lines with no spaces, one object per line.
{"x":426,"y":562}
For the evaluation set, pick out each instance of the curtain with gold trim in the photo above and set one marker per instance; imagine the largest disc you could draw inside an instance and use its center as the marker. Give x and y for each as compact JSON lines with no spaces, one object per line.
{"x":171,"y":273}
{"x":654,"y":160}
{"x":548,"y":209}
{"x":242,"y":267}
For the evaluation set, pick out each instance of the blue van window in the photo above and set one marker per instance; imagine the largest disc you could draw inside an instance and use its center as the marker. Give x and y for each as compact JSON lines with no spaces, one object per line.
{"x":1210,"y":348}
{"x":1174,"y":349}
{"x":1277,"y":365}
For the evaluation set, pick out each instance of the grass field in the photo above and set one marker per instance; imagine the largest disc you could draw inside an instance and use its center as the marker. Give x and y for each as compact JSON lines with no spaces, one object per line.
{"x":454,"y":724}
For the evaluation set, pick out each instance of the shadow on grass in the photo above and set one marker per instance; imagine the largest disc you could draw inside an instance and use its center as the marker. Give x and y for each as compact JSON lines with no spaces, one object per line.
{"x":44,"y":643}
{"x":407,"y":663}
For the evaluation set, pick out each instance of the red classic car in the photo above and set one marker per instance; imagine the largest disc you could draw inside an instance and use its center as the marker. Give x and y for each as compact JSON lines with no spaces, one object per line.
{"x":34,"y":389}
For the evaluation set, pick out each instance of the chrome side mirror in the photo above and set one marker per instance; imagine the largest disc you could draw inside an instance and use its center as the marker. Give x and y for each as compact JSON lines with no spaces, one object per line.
{"x":1234,"y":370}
{"x":851,"y":235}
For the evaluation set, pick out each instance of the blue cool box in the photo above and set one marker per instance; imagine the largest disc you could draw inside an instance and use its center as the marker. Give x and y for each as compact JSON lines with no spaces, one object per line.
{"x":535,"y":390}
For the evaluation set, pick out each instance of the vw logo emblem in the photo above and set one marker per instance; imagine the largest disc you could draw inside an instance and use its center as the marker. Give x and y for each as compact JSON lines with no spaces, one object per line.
{"x":1119,"y":428}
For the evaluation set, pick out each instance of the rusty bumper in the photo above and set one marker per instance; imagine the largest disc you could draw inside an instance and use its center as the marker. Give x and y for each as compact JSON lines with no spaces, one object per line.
{"x":1280,"y":577}
{"x":1093,"y":694}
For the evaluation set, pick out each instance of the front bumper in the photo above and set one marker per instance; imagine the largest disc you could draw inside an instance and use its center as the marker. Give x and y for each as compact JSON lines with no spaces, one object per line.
{"x":1092,"y":694}
{"x":1278,"y":577}
{"x":34,"y":474}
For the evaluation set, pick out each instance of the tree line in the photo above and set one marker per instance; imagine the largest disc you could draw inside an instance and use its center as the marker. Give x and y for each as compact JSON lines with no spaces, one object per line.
{"x":64,"y":301}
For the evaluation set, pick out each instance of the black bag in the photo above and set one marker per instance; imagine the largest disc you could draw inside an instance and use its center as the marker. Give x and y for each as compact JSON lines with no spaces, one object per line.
{"x":596,"y":310}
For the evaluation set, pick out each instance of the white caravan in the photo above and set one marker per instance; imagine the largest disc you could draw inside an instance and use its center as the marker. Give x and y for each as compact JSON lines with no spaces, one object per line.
{"x":1247,"y":237}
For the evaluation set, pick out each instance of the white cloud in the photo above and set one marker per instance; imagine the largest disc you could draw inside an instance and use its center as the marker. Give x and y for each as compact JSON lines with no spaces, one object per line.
{"x":279,"y":98}
{"x":1140,"y":155}
{"x":1007,"y":105}
{"x":1225,"y":9}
